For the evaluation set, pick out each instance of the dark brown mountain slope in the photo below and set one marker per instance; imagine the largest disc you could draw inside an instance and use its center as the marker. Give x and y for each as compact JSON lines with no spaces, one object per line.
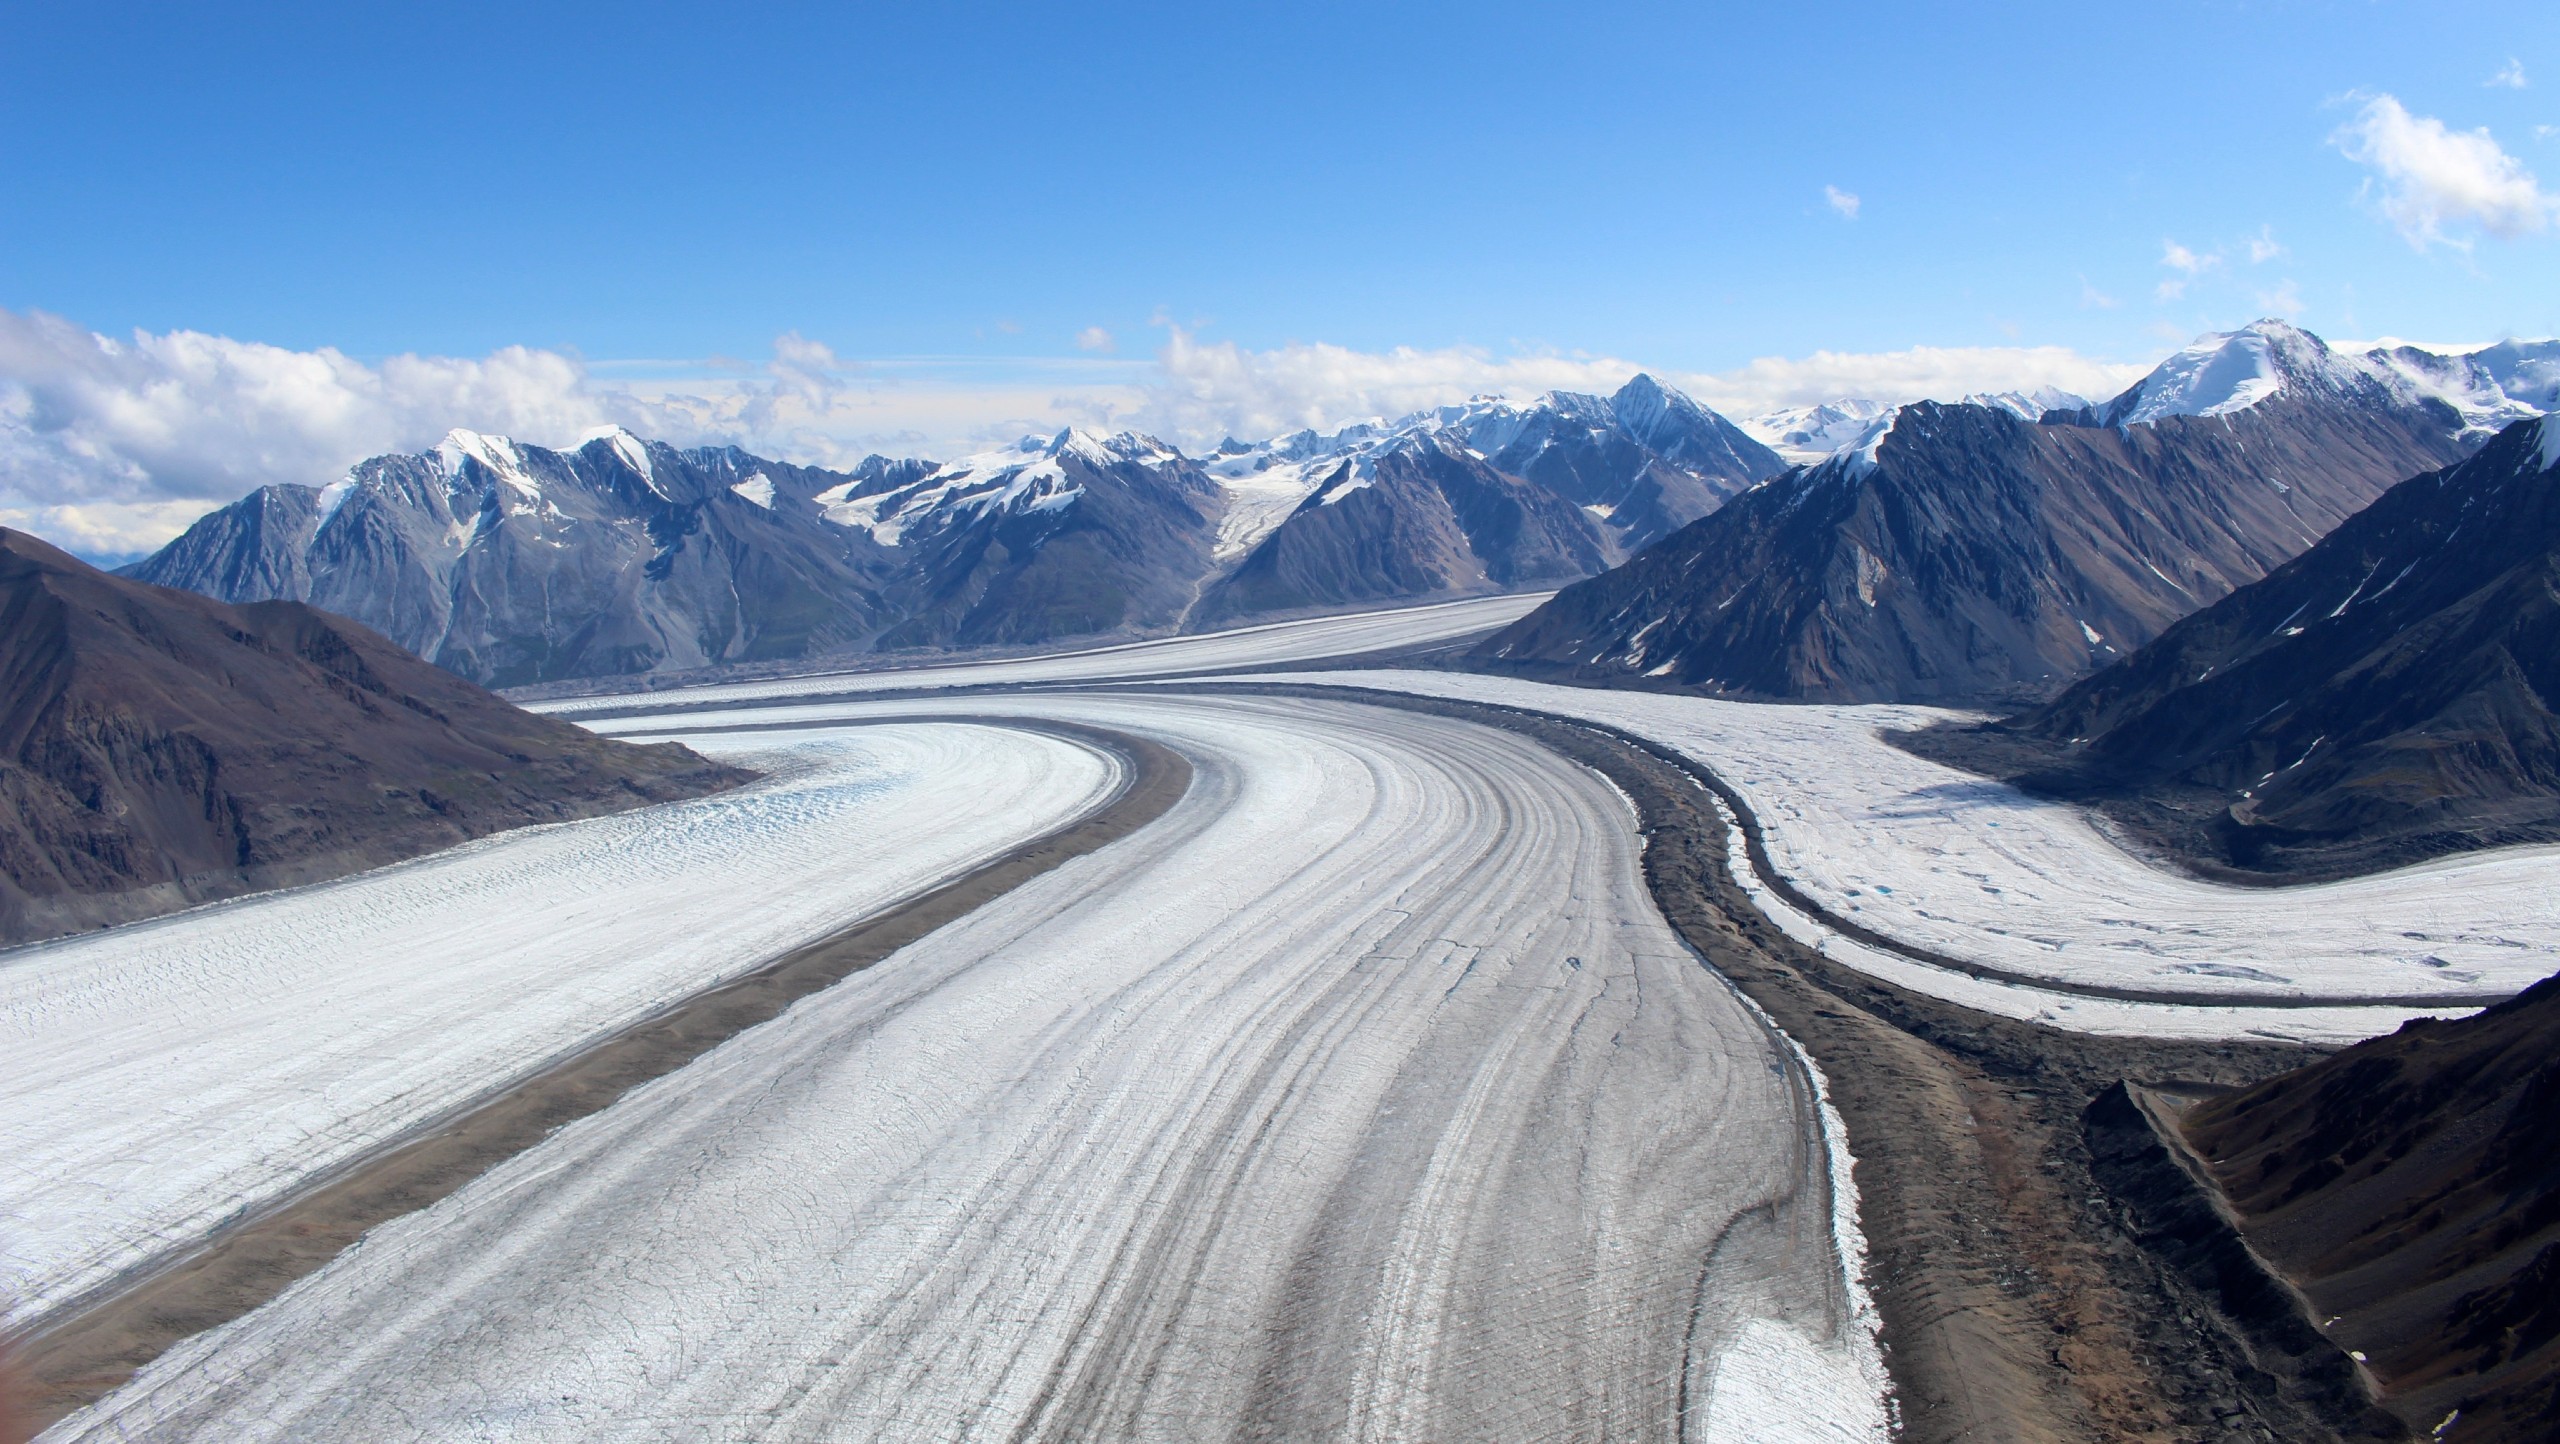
{"x":2391,"y":694}
{"x":1970,"y":555}
{"x":2411,"y":1187}
{"x":159,"y":749}
{"x":1963,"y":554}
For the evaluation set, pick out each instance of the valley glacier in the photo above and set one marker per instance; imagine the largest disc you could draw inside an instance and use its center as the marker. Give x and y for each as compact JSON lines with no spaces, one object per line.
{"x":170,"y":1076}
{"x":1364,"y":1095}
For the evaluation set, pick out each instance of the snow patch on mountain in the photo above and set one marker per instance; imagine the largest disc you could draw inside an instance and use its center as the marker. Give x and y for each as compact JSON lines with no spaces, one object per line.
{"x":2228,"y":371}
{"x":1804,"y":435}
{"x":757,"y":489}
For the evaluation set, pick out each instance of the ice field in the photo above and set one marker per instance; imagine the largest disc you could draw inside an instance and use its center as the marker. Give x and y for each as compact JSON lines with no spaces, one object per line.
{"x":1267,"y":644}
{"x":1365,"y":1095}
{"x":167,"y":1076}
{"x":1949,"y":862}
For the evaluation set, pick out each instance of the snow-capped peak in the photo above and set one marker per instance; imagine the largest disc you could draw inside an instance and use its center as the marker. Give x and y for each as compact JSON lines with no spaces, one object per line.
{"x":497,"y":453}
{"x":2230,"y":371}
{"x":2227,"y":371}
{"x":2031,"y":404}
{"x":1806,"y":434}
{"x":633,"y":451}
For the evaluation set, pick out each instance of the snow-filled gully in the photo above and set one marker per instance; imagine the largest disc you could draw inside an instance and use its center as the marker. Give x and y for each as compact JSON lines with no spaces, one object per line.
{"x":1364,"y":1094}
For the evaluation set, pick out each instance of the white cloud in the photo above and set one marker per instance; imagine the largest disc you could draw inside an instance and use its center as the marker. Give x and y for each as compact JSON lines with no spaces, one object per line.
{"x":2264,"y":248}
{"x":2430,"y":178}
{"x":1094,"y":338}
{"x":2188,"y":264}
{"x":1842,"y":201}
{"x":112,"y":447}
{"x":1203,"y":391}
{"x":2284,"y":300}
{"x":2092,"y":296}
{"x":2511,"y":75}
{"x":1938,"y":373}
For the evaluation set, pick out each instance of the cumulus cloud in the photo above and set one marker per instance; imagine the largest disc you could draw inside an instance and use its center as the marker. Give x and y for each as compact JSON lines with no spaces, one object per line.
{"x":1204,"y":391}
{"x":1845,"y":202}
{"x":2510,"y":76}
{"x":1094,"y":338}
{"x":2432,"y":182}
{"x":2188,"y":265}
{"x":1207,"y":390}
{"x":113,"y":446}
{"x":1931,"y":373}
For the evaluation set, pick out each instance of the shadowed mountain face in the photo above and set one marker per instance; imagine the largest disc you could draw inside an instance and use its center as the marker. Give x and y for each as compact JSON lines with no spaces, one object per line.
{"x":514,"y":564}
{"x":158,"y":749}
{"x":1964,"y":554}
{"x":2411,"y":1187}
{"x":2388,"y":694}
{"x":1423,"y":519}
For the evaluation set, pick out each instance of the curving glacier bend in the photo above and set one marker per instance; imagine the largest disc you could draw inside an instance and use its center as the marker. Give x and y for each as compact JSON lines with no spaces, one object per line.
{"x":166,"y":1077}
{"x":1977,"y":870}
{"x":1364,"y":1095}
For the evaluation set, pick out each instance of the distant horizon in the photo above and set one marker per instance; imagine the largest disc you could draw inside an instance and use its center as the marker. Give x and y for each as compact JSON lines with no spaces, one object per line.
{"x":256,"y":246}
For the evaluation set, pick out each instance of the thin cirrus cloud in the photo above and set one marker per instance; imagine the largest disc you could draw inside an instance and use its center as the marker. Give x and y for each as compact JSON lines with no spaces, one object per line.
{"x":113,"y":446}
{"x":2437,"y":185}
{"x":2510,"y":76}
{"x":1845,"y":202}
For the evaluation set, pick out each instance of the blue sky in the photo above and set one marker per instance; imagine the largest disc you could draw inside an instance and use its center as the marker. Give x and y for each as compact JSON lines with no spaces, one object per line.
{"x":940,"y":201}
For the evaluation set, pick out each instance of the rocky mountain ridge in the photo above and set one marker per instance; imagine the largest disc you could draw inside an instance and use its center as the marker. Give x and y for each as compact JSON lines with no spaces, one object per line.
{"x":514,"y":564}
{"x":1967,"y":553}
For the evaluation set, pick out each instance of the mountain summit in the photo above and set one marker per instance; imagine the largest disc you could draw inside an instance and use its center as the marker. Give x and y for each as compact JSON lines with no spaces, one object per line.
{"x":513,"y":564}
{"x":1964,"y":553}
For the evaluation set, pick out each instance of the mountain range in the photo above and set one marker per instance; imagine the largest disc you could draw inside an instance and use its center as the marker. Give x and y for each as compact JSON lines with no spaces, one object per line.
{"x":511,"y":564}
{"x":1968,"y":552}
{"x":159,"y":749}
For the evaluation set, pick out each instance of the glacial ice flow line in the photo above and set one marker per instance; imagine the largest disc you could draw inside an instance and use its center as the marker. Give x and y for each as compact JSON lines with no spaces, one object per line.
{"x":167,"y":1077}
{"x":1953,"y":864}
{"x":1267,"y":644}
{"x":1366,"y":1084}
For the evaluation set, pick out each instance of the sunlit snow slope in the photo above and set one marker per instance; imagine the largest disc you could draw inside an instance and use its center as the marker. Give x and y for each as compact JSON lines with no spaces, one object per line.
{"x":164,"y":1077}
{"x":1363,"y":1096}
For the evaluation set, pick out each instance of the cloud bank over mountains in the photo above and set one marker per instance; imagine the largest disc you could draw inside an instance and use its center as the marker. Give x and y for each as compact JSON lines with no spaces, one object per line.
{"x":111,"y":446}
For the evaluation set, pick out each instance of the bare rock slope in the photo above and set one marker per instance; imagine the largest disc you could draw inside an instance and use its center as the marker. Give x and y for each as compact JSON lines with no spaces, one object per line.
{"x":2410,"y":1186}
{"x":2391,"y":694}
{"x":158,"y":749}
{"x":1962,"y":553}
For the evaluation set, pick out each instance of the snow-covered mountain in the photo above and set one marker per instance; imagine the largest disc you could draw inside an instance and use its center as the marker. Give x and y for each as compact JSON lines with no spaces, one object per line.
{"x":2230,"y":371}
{"x":1807,"y":434}
{"x":512,"y":563}
{"x":2005,"y":547}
